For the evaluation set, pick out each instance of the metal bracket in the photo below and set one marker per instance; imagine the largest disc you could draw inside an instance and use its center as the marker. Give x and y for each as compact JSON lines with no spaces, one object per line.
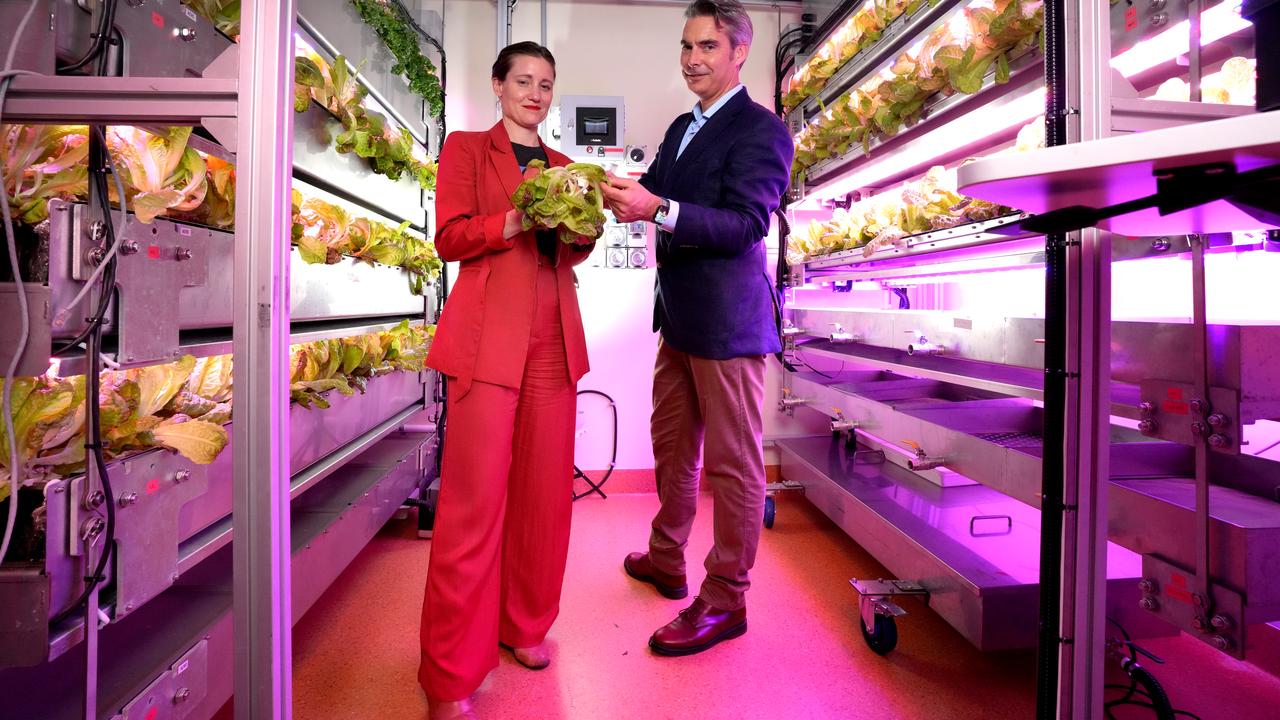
{"x":151,"y":490}
{"x":227,"y":67}
{"x":785,"y":485}
{"x":875,"y":597}
{"x":154,"y":263}
{"x":178,"y":691}
{"x":1172,"y":411}
{"x":1170,"y":592}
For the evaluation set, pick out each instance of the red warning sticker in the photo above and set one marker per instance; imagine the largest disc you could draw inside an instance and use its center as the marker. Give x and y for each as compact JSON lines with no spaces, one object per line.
{"x":153,"y":252}
{"x":1178,"y":589}
{"x":158,"y":20}
{"x":153,"y":485}
{"x":1174,"y":393}
{"x":1130,"y":19}
{"x":1176,"y":407}
{"x":153,"y":712}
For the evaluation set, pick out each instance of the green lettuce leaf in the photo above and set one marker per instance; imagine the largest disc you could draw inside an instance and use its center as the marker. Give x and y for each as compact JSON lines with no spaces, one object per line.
{"x":196,"y":440}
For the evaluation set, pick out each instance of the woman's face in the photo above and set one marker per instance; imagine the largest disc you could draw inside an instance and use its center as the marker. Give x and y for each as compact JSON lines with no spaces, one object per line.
{"x":526,"y":92}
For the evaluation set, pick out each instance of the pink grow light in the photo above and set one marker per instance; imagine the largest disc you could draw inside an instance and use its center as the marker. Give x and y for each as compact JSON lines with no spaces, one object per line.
{"x":1216,"y":23}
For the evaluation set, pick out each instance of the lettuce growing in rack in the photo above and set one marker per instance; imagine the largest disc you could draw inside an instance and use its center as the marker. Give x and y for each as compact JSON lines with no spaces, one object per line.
{"x":160,"y":173}
{"x":183,"y":406}
{"x":955,"y":57}
{"x":924,"y":205}
{"x":564,"y":198}
{"x":860,"y":31}
{"x":42,"y":162}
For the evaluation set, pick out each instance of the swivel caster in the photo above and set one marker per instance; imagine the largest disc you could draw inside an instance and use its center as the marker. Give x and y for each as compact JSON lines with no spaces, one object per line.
{"x":770,"y":510}
{"x":882,"y":638}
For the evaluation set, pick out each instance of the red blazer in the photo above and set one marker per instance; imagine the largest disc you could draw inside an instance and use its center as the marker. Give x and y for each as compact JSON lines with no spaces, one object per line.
{"x":483,"y":333}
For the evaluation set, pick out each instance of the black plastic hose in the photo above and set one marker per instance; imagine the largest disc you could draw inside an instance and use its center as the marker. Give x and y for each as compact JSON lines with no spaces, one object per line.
{"x":1055,"y":388}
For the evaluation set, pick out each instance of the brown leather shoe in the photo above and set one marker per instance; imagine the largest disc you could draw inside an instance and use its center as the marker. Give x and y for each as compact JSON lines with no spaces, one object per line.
{"x":698,"y":627}
{"x":673,"y":587}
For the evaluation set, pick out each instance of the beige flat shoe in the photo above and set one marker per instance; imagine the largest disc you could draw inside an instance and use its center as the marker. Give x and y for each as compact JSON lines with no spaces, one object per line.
{"x":534,"y":658}
{"x":451,"y":710}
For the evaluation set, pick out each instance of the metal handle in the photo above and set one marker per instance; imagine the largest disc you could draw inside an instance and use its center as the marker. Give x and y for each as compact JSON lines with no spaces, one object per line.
{"x":974,"y":520}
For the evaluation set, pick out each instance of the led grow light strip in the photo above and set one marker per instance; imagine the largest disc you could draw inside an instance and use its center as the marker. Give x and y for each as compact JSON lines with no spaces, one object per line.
{"x":1216,"y":23}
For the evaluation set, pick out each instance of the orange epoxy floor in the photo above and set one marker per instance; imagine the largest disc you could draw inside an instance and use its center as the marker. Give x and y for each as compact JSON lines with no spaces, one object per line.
{"x":356,"y":651}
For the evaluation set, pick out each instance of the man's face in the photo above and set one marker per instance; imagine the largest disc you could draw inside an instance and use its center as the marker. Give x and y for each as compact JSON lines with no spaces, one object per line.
{"x":708,"y":61}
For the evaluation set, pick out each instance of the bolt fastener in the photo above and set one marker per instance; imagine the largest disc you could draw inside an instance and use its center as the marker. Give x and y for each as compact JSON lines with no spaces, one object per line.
{"x":1199,"y":600}
{"x":94,"y":500}
{"x":182,"y":476}
{"x":129,"y":247}
{"x":128,"y":499}
{"x":1146,"y":409}
{"x":181,"y":696}
{"x":1149,"y":603}
{"x":1197,"y":407}
{"x":1161,"y":244}
{"x":182,"y":254}
{"x":1147,"y":427}
{"x":1220,"y":622}
{"x":1199,"y":429}
{"x":91,"y":529}
{"x":1217,"y":420}
{"x":1218,"y":440}
{"x":1147,"y":586}
{"x":1221,"y":642}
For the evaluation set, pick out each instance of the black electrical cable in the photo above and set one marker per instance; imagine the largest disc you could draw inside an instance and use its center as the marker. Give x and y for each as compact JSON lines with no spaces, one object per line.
{"x":93,"y":429}
{"x":1049,"y":638}
{"x":904,"y":302}
{"x":100,"y":37}
{"x":108,"y":278}
{"x":613,"y":457}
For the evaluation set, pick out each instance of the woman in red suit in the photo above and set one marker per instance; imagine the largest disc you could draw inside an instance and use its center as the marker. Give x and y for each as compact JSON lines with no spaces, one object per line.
{"x":511,"y":345}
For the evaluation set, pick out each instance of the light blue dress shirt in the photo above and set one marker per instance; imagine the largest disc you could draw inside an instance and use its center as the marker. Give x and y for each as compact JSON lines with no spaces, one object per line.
{"x":700,"y":118}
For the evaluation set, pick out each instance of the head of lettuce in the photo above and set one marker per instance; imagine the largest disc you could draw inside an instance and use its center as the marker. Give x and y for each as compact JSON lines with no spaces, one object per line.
{"x":566,"y":199}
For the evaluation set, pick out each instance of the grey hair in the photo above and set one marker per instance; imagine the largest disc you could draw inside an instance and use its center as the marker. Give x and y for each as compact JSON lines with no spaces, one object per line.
{"x":730,"y":16}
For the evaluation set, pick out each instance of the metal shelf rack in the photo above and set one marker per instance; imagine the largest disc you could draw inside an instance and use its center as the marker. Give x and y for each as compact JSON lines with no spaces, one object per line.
{"x":927,"y":408}
{"x":311,"y":485}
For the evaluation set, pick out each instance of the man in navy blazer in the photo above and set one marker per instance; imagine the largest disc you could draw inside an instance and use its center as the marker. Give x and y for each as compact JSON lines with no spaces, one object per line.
{"x":716,"y":179}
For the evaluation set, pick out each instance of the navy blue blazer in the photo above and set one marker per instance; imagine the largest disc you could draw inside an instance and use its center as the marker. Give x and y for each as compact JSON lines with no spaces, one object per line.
{"x":714,"y":297}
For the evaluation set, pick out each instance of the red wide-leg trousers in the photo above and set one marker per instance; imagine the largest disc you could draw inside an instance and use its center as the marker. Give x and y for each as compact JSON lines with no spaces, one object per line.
{"x":502,"y":519}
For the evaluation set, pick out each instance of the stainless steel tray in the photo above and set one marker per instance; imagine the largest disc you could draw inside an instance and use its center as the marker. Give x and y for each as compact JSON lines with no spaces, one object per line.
{"x":975,"y":550}
{"x":981,"y":435}
{"x":1243,"y":357}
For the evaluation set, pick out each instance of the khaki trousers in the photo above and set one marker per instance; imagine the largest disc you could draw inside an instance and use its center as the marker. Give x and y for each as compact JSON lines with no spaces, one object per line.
{"x":709,"y":409}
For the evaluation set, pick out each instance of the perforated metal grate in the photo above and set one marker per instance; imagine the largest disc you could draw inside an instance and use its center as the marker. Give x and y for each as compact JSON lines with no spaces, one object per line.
{"x":1014,"y":440}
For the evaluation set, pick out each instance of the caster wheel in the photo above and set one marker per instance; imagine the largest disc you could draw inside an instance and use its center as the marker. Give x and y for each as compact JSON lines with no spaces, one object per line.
{"x":884,"y":638}
{"x":770,"y":510}
{"x":1160,"y":704}
{"x":426,"y":520}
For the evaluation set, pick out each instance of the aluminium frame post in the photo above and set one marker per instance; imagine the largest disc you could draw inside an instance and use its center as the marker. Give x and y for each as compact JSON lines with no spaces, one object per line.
{"x":1086,"y":469}
{"x":261,"y":550}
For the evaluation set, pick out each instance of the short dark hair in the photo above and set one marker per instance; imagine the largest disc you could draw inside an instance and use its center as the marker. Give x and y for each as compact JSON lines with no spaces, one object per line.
{"x":502,"y":65}
{"x":730,"y":16}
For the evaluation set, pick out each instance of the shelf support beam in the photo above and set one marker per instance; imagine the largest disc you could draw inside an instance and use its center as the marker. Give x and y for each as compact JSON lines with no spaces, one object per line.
{"x":119,"y":100}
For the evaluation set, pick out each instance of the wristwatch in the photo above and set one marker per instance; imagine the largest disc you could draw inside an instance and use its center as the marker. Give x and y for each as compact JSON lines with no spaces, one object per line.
{"x":664,"y":209}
